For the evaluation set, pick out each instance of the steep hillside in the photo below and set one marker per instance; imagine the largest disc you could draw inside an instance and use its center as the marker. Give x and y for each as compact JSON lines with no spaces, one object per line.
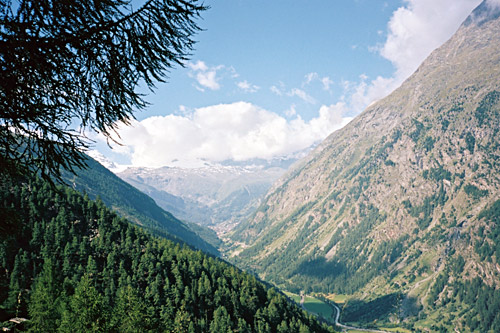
{"x":403,"y":200}
{"x":69,"y":264}
{"x":129,"y":202}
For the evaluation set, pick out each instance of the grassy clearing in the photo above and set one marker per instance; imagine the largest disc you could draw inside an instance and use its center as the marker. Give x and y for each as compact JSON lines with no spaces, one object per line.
{"x":319,"y":307}
{"x":395,"y":329}
{"x":314,"y":305}
{"x":337,"y":298}
{"x":294,"y":297}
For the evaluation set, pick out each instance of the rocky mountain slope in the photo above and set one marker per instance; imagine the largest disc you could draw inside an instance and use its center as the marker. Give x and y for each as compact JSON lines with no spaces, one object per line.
{"x":217,"y":195}
{"x":402,"y":204}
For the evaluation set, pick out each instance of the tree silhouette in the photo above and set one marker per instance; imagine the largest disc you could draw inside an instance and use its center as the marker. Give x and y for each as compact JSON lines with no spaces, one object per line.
{"x":68,"y":67}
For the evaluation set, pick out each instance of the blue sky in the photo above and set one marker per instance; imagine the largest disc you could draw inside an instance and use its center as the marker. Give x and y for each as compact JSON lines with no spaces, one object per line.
{"x":268,"y":78}
{"x":281,"y":41}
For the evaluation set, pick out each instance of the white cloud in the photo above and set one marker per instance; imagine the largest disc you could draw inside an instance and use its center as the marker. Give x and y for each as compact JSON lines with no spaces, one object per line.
{"x":414,"y":31}
{"x":198,"y":66}
{"x":302,"y":95}
{"x":233,"y":73}
{"x":208,"y":79}
{"x":247,"y":87}
{"x":243,"y":131}
{"x":205,"y":76}
{"x":291,"y":111}
{"x":276,"y":91}
{"x":311,"y":77}
{"x":326,"y":81}
{"x":419,"y":28}
{"x":490,"y":9}
{"x":236,"y":131}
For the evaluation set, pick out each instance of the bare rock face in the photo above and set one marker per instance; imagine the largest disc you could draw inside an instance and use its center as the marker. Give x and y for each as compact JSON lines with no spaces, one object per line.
{"x":401,"y":193}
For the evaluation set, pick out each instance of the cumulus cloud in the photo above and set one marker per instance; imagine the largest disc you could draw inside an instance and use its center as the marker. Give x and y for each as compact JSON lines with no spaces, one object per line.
{"x":237,"y":131}
{"x":241,"y":131}
{"x":419,"y":28}
{"x":414,"y":31}
{"x":198,"y":66}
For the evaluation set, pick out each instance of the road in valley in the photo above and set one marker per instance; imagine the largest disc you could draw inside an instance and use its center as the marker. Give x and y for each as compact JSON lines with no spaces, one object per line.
{"x":347,"y":327}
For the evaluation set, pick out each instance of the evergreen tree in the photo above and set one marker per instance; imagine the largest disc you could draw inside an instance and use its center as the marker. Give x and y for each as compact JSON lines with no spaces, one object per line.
{"x":67,"y":61}
{"x":43,"y":307}
{"x":97,"y":272}
{"x":86,"y":311}
{"x":129,"y":313}
{"x":221,"y":322}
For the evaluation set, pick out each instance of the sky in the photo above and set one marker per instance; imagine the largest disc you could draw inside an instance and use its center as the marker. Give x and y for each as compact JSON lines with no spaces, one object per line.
{"x":269,"y":78}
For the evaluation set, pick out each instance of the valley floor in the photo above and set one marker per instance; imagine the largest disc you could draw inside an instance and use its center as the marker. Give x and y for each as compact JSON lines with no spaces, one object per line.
{"x":328,"y":310}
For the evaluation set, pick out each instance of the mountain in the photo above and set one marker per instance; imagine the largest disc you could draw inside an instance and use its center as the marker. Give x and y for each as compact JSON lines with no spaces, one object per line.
{"x":70,"y":264}
{"x":129,"y":202}
{"x":216,"y":195}
{"x":400,"y":208}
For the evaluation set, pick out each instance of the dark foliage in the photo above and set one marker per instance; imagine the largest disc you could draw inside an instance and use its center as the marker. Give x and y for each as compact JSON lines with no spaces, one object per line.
{"x":73,"y":265}
{"x":369,"y":311}
{"x":98,"y":182}
{"x":67,"y":66}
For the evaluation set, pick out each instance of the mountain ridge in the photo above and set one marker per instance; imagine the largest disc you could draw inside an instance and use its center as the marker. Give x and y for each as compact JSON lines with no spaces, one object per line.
{"x":97,"y":181}
{"x":398,"y":195}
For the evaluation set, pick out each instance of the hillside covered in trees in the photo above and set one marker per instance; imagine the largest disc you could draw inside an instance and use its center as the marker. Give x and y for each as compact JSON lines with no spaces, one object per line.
{"x":70,"y":264}
{"x":137,"y":207}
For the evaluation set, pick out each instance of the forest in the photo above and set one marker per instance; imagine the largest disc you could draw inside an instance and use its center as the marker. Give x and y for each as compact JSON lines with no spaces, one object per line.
{"x":69,"y":264}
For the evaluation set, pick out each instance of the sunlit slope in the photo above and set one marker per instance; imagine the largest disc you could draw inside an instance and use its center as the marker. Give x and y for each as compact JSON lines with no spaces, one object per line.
{"x":403,"y":193}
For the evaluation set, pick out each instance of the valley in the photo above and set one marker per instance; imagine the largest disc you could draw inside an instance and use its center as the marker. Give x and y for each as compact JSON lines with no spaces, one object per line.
{"x":391,"y":224}
{"x":392,"y":210}
{"x":396,"y":208}
{"x":218,"y":196}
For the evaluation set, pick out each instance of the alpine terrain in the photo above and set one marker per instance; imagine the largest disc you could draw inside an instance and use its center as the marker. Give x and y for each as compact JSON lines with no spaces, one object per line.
{"x":218,"y":195}
{"x":400,"y":209}
{"x":70,"y":264}
{"x":98,"y":182}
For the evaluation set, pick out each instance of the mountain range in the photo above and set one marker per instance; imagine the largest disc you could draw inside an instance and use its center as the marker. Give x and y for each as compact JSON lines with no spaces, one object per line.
{"x":218,"y":195}
{"x":400,"y":208}
{"x":397,"y":215}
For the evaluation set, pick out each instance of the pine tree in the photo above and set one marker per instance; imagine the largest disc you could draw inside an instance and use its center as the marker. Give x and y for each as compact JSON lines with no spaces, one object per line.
{"x":86,"y":311}
{"x":43,"y":308}
{"x":129,"y":314}
{"x":66,"y":63}
{"x":17,"y":296}
{"x":221,"y":322}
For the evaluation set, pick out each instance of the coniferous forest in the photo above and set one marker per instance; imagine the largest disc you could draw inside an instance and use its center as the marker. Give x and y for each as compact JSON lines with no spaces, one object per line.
{"x":69,"y":264}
